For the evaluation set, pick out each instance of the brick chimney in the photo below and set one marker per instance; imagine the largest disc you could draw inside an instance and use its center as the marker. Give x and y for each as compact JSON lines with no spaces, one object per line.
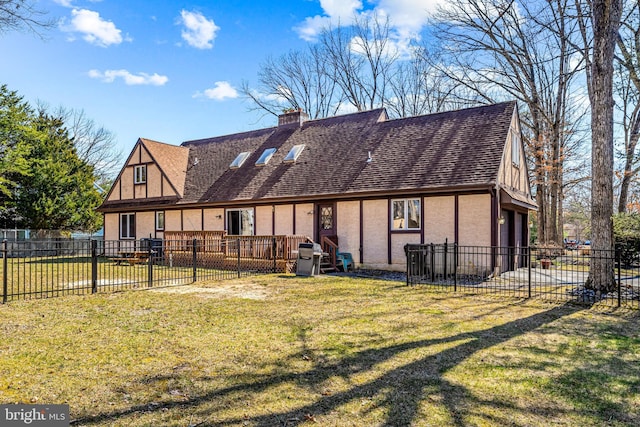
{"x":293,"y":117}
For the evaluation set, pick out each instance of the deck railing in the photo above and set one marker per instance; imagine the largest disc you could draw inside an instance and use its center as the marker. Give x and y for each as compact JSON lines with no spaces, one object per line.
{"x":208,"y":241}
{"x":255,"y":247}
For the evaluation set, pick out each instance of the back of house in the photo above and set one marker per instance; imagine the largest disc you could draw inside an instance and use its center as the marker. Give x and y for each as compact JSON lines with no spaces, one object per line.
{"x":366,"y":183}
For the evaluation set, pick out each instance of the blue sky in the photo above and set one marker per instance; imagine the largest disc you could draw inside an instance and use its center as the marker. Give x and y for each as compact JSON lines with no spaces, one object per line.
{"x":170,"y":71}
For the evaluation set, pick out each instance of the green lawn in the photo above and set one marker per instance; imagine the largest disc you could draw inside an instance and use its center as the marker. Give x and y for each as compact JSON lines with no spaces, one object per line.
{"x":282,"y":350}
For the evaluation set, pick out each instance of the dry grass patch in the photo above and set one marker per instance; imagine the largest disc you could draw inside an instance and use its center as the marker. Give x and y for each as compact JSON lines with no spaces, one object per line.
{"x":327,"y":351}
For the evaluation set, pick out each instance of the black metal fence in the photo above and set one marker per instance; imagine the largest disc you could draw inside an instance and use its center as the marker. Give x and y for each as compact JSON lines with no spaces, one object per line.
{"x":553,"y":274}
{"x":45,"y":269}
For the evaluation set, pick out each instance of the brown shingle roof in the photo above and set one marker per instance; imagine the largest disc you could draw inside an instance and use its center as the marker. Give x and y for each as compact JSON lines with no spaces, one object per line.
{"x":452,"y":149}
{"x":171,"y":159}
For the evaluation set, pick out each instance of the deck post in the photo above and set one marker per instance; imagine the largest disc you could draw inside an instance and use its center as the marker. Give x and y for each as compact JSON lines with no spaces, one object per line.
{"x":275,"y":254}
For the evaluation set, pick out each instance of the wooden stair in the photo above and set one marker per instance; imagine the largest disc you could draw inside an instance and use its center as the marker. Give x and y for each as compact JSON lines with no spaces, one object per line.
{"x":330,"y":249}
{"x":326,"y":266}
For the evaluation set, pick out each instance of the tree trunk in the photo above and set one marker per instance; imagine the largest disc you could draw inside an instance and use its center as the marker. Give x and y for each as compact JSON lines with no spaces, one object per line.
{"x":606,"y":20}
{"x":628,"y":174}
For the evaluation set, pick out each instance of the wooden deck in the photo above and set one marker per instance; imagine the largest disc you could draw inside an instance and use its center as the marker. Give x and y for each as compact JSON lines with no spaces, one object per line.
{"x":226,"y":251}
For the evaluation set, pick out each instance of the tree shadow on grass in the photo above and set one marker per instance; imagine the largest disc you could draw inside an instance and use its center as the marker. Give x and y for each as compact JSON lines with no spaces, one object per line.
{"x":403,"y":388}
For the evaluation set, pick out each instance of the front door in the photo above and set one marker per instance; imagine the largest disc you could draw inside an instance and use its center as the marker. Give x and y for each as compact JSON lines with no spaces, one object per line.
{"x":326,"y":220}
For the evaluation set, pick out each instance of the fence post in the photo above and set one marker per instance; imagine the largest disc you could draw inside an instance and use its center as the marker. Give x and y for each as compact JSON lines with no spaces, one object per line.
{"x":406,"y":251}
{"x":432,"y":262}
{"x":446,"y":249}
{"x":619,"y":261}
{"x":5,"y":275}
{"x":94,"y":266}
{"x":528,"y":251}
{"x":238,"y":245}
{"x":275,"y":247}
{"x":149,"y":264}
{"x":195,"y":260}
{"x":455,"y":266}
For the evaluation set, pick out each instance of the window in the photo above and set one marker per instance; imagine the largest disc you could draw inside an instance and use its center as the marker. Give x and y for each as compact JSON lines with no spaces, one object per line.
{"x":294,"y":153}
{"x":128,"y":226}
{"x":405,"y":214}
{"x":266,"y":156}
{"x":140,"y":174}
{"x":160,"y":220}
{"x":240,"y":222}
{"x":326,"y":217}
{"x":239,"y":160}
{"x":515,"y":148}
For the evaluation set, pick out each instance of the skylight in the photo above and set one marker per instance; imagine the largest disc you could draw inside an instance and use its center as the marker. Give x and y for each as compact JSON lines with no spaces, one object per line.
{"x":294,"y":153}
{"x":239,"y":160}
{"x":266,"y":156}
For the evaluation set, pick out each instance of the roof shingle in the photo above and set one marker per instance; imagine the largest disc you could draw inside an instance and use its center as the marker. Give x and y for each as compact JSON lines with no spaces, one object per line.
{"x":452,"y":149}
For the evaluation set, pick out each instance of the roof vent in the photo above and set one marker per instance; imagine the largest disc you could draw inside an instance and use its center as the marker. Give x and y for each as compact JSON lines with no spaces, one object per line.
{"x":292,"y":116}
{"x":369,"y":158}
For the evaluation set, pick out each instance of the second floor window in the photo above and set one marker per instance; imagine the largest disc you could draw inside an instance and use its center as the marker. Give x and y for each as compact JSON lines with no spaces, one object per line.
{"x":140,"y":174}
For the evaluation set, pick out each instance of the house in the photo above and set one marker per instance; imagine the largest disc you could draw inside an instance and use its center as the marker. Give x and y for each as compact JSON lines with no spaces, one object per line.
{"x":370,"y":183}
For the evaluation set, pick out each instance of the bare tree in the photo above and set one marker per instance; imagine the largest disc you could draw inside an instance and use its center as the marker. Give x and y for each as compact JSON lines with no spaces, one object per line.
{"x":629,"y":106}
{"x":627,"y":89}
{"x":298,"y":79}
{"x":355,"y":67}
{"x":417,"y":86}
{"x":360,"y":58}
{"x":22,"y":14}
{"x":599,"y":23}
{"x":94,"y":144}
{"x":504,"y":49}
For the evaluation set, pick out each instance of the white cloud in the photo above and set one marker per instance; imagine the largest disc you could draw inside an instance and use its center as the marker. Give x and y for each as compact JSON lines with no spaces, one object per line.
{"x":335,"y":12}
{"x":199,"y":32}
{"x":312,"y":26}
{"x":93,"y":28}
{"x":220,"y":92}
{"x":341,"y":9}
{"x":64,"y":3}
{"x":109,"y":76}
{"x":407,"y":17}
